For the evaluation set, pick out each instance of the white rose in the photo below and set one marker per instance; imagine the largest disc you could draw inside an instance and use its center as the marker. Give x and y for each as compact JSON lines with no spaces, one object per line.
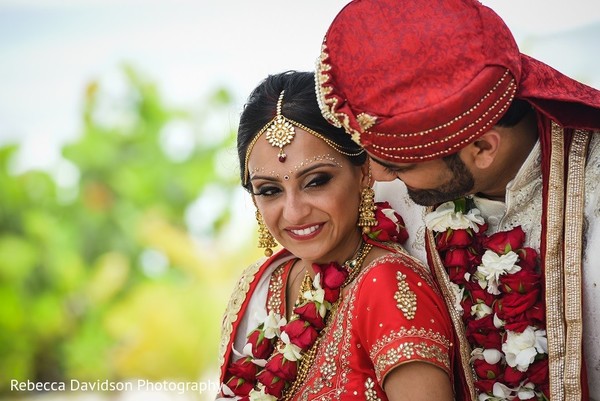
{"x":480,"y":310}
{"x":498,"y":323}
{"x":493,"y":266}
{"x":490,"y":355}
{"x":526,"y":392}
{"x":272,"y":324}
{"x":484,"y":397}
{"x":502,"y":391}
{"x":290,"y":351}
{"x":260,"y":395}
{"x":520,"y":349}
{"x":445,"y":217}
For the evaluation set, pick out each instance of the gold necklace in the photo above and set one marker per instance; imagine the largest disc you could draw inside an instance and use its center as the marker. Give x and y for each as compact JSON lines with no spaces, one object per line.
{"x":354,"y":265}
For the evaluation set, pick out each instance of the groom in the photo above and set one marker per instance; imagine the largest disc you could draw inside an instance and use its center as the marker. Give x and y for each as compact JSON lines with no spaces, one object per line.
{"x":439,"y":95}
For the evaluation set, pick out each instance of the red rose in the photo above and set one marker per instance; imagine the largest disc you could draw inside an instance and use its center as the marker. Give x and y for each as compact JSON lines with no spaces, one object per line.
{"x":537,"y":314}
{"x":453,"y":239}
{"x":513,"y":303}
{"x":485,"y":386}
{"x":533,"y":316}
{"x":308,"y":312}
{"x":479,"y":235}
{"x":282,"y":367}
{"x":483,"y":324}
{"x":480,"y":295}
{"x":520,"y":282}
{"x":274,"y":385}
{"x":301,"y":333}
{"x":504,"y":241}
{"x":466,"y":305}
{"x":388,"y":228}
{"x":487,"y":339}
{"x":513,"y":377}
{"x":240,"y":386}
{"x":486,"y":370}
{"x":517,"y":324}
{"x":538,"y":372}
{"x":243,"y":368}
{"x":262,"y":347}
{"x":332,"y":274}
{"x":482,"y":332}
{"x":474,"y":258}
{"x":528,"y":259}
{"x":457,"y":275}
{"x":331,"y":295}
{"x":457,"y":257}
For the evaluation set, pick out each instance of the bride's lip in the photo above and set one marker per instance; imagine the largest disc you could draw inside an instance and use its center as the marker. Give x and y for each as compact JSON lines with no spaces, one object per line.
{"x":308,"y":231}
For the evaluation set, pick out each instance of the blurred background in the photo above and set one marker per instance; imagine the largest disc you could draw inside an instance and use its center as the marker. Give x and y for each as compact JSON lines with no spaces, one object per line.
{"x":122,"y":225}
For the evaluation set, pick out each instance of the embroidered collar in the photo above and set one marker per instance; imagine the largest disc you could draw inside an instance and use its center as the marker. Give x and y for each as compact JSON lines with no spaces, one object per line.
{"x":529,"y":171}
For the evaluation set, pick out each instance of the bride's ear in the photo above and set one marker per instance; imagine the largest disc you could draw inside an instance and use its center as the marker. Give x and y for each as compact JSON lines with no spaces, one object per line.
{"x":367,"y":179}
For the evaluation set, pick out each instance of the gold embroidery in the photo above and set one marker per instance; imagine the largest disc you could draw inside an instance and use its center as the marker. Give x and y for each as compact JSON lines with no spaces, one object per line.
{"x":575,"y":199}
{"x":370,"y":393}
{"x":275,"y":290}
{"x":366,"y":121}
{"x":329,"y":105}
{"x":405,"y":333}
{"x":322,"y":89}
{"x":406,"y":299}
{"x":555,"y":328}
{"x":233,"y":307}
{"x":411,"y":263}
{"x":407,"y":351}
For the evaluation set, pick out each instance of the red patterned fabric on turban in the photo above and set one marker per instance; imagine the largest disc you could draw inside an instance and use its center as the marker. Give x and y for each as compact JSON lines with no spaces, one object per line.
{"x":418,"y":80}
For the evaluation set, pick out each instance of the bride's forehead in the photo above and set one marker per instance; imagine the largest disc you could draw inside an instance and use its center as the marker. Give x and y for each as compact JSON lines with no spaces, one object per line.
{"x":304,"y":149}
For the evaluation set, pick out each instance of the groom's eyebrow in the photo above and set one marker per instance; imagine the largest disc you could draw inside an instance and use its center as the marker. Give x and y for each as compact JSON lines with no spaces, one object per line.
{"x":393,"y":167}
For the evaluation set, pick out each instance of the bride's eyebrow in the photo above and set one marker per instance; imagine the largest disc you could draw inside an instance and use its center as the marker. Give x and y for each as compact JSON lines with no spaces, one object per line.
{"x":315,"y":166}
{"x":324,"y":161}
{"x":299,"y":172}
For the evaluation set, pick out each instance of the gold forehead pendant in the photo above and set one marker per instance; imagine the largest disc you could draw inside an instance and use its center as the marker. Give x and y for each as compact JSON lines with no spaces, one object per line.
{"x":280,"y":132}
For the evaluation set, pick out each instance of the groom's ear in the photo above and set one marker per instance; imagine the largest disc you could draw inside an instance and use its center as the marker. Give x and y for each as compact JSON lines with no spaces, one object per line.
{"x":482,"y":152}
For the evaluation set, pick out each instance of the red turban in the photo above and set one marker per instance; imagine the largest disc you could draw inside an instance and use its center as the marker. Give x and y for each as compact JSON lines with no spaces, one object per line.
{"x":418,"y":80}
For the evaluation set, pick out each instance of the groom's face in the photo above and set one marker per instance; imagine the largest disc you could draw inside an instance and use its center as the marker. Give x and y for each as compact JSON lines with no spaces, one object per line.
{"x":430,"y":182}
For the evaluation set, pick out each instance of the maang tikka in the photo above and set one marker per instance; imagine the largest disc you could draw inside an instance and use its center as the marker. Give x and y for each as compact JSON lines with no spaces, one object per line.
{"x":280,"y":132}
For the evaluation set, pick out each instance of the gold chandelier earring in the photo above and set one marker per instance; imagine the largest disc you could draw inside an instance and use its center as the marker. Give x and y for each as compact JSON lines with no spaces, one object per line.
{"x":265,"y":239}
{"x":366,"y":209}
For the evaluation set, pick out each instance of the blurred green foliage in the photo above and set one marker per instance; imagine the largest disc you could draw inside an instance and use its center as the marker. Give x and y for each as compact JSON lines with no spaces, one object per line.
{"x":100,"y":278}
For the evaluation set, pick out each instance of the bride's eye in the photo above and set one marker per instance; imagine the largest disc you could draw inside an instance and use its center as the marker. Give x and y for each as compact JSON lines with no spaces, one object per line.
{"x":319,"y":180}
{"x":266,"y":190}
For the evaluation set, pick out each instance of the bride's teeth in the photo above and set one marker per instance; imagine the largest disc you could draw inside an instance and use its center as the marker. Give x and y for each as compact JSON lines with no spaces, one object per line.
{"x":305,"y":231}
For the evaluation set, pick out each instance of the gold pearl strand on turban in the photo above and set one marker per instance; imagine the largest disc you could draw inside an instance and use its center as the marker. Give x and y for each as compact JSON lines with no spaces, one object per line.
{"x":281,"y":132}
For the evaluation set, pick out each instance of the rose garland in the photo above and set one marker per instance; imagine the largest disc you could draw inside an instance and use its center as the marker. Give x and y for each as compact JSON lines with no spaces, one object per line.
{"x":268,"y":364}
{"x":498,"y":290}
